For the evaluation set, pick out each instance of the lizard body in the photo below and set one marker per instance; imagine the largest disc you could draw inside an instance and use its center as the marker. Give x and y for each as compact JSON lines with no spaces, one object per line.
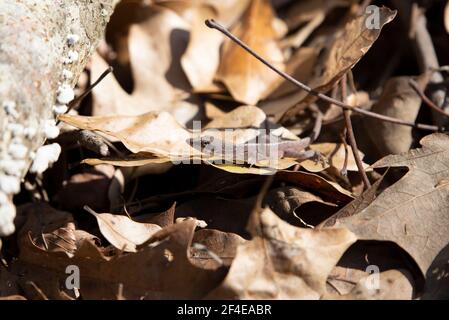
{"x":253,"y":152}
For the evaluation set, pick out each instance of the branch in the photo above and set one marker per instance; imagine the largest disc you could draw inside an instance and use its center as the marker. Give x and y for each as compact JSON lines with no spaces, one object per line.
{"x":214,"y":25}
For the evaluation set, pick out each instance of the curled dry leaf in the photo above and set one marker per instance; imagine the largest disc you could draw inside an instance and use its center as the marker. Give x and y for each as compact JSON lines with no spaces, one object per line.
{"x":398,"y":100}
{"x":286,"y":202}
{"x":163,"y":219}
{"x":52,"y":230}
{"x":157,"y":138}
{"x":327,"y":189}
{"x":155,"y":132}
{"x":155,"y":46}
{"x":335,"y":153}
{"x":347,"y":49}
{"x":246,"y":78}
{"x":168,"y":272}
{"x":204,"y":45}
{"x":354,"y":207}
{"x":91,"y":187}
{"x":413,"y":211}
{"x":284,"y":262}
{"x":122,"y":232}
{"x":215,"y":243}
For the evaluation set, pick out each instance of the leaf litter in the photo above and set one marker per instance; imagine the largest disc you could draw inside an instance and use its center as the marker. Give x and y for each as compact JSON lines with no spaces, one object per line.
{"x":140,"y":225}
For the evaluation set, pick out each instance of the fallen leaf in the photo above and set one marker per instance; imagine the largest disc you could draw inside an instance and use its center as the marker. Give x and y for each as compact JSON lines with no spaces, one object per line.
{"x":398,"y":100}
{"x":354,"y":207}
{"x":168,"y":271}
{"x":327,"y":189}
{"x":204,"y":45}
{"x":122,"y":232}
{"x":56,"y":229}
{"x":91,"y":188}
{"x":300,"y":66}
{"x":165,"y":140}
{"x":335,"y":155}
{"x":283,"y":262}
{"x":214,"y":242}
{"x":246,"y":78}
{"x":155,"y":46}
{"x":348,"y":48}
{"x":413,"y":211}
{"x":163,"y":219}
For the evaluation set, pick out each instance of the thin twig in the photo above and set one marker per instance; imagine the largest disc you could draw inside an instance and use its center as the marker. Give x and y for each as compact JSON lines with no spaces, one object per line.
{"x":318,"y":122}
{"x":425,"y":99}
{"x":77,"y":100}
{"x":344,"y":170}
{"x":351,"y":136}
{"x":214,"y":25}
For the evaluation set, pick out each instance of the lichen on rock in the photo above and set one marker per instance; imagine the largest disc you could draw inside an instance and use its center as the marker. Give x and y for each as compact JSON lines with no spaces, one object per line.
{"x":38,"y":36}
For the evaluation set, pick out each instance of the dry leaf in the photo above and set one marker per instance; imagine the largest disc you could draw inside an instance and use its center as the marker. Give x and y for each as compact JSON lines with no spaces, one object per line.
{"x":201,"y":60}
{"x":327,"y":189}
{"x":246,"y":78}
{"x":91,"y":188}
{"x":215,"y":244}
{"x":398,"y":100}
{"x":360,"y":203}
{"x":286,"y":202}
{"x":165,"y":140}
{"x":335,"y":154}
{"x":413,"y":211}
{"x":122,"y":232}
{"x":347,"y":49}
{"x":56,"y":229}
{"x":168,"y":272}
{"x":284,"y":262}
{"x":155,"y":47}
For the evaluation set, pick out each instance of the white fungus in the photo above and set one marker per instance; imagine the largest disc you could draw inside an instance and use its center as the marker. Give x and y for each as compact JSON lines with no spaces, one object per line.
{"x":51,"y":130}
{"x":3,"y":198}
{"x":17,"y":151}
{"x":12,"y":167}
{"x":10,"y":109}
{"x":7,"y":215}
{"x":9,"y":184}
{"x":16,"y":129}
{"x":73,"y":56}
{"x":45,"y":157}
{"x":60,"y":109}
{"x":30,"y":132}
{"x":65,"y":94}
{"x":67,"y":74}
{"x":72,"y":39}
{"x":104,"y":12}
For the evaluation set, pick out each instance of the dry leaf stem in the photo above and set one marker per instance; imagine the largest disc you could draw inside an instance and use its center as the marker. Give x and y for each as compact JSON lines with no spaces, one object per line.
{"x":214,"y":25}
{"x":351,"y":136}
{"x":426,"y":99}
{"x":78,"y":100}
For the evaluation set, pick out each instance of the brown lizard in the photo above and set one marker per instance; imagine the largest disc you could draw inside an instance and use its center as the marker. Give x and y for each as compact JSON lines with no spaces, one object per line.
{"x":253,"y":152}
